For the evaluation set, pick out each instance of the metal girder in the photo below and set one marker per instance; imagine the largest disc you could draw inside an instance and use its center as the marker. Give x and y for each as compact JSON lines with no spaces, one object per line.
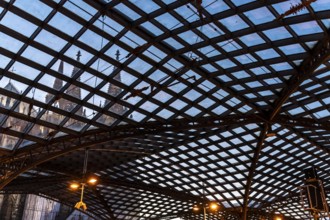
{"x":252,"y":169}
{"x":318,"y":55}
{"x":23,"y":186}
{"x":153,"y":188}
{"x":137,"y":184}
{"x":104,"y":203}
{"x":26,"y":158}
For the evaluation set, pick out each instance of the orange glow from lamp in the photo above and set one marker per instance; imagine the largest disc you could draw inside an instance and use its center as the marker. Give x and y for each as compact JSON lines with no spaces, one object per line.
{"x":213,"y":206}
{"x":74,"y":186}
{"x":278,"y":217}
{"x":92,"y":180}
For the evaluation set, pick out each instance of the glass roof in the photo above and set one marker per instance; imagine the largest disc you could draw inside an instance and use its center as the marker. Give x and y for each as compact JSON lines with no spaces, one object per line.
{"x":178,"y":96}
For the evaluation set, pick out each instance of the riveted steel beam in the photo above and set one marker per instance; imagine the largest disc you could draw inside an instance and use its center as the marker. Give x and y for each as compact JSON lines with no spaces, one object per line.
{"x":318,"y":55}
{"x":12,"y":165}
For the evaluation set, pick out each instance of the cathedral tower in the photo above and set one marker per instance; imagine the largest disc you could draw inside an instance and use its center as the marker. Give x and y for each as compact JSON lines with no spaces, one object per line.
{"x":58,"y":84}
{"x":114,"y":91}
{"x":74,"y":90}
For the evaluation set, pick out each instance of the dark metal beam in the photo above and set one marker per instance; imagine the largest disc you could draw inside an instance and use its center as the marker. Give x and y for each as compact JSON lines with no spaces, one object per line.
{"x":104,"y":203}
{"x":20,"y":184}
{"x":252,"y":170}
{"x":318,"y":55}
{"x":26,"y":158}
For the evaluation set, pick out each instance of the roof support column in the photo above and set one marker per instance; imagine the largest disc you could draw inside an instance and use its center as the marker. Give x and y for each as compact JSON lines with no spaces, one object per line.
{"x":252,"y":170}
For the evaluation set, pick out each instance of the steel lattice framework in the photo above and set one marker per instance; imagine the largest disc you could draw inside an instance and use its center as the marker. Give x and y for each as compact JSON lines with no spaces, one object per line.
{"x":174,"y":100}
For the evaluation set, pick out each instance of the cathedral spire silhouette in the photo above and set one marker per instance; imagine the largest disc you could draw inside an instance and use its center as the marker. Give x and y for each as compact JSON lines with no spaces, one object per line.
{"x":74,"y":90}
{"x":114,"y":90}
{"x":58,"y":83}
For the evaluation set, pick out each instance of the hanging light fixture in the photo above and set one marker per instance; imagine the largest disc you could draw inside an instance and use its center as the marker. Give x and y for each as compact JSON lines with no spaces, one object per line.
{"x":91,"y":180}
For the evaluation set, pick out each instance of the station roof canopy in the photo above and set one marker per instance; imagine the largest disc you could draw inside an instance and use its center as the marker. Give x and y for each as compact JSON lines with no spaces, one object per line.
{"x":175,"y":102}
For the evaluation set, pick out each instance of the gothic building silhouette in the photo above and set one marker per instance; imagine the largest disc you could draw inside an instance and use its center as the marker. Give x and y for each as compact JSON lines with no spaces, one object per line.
{"x":7,"y":141}
{"x":14,"y":206}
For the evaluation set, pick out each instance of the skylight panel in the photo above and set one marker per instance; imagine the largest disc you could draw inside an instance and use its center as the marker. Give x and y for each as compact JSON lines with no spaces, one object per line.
{"x":217,"y":7}
{"x":50,"y":40}
{"x":260,"y":70}
{"x":238,"y":88}
{"x":282,"y":7}
{"x":80,"y":8}
{"x":10,"y":43}
{"x":178,"y":104}
{"x":313,"y":105}
{"x":34,"y":7}
{"x":229,"y":45}
{"x":225,"y":78}
{"x":267,"y":54}
{"x":326,"y":22}
{"x":210,"y":31}
{"x":281,"y":66}
{"x":311,"y":44}
{"x":149,"y":106}
{"x":168,"y":21}
{"x":168,"y":1}
{"x":153,"y":29}
{"x":187,"y":13}
{"x":277,"y":34}
{"x":132,"y":39}
{"x":136,"y":116}
{"x":93,"y":40}
{"x":241,"y":2}
{"x":241,"y":75}
{"x":193,"y":111}
{"x":173,"y":65}
{"x":292,"y":49}
{"x":322,"y":114}
{"x":226,"y":63}
{"x":10,"y":144}
{"x":123,"y":9}
{"x":273,"y":81}
{"x":254,"y":84}
{"x":140,"y":66}
{"x":210,"y":68}
{"x":252,"y":39}
{"x":310,"y":27}
{"x":108,"y":25}
{"x":192,"y":95}
{"x":233,"y":102}
{"x":321,"y":5}
{"x":147,"y":8}
{"x":65,"y":24}
{"x":205,"y":103}
{"x":190,"y":37}
{"x":18,"y":24}
{"x":178,"y":87}
{"x":245,"y":59}
{"x":37,"y":56}
{"x":249,"y":95}
{"x":24,"y":70}
{"x":163,"y":96}
{"x":173,"y":43}
{"x":4,"y":61}
{"x":209,"y":51}
{"x":234,"y":23}
{"x":260,"y":15}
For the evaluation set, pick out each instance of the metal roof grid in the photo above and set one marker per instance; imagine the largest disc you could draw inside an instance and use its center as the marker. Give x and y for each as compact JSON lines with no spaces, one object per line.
{"x":179,"y":61}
